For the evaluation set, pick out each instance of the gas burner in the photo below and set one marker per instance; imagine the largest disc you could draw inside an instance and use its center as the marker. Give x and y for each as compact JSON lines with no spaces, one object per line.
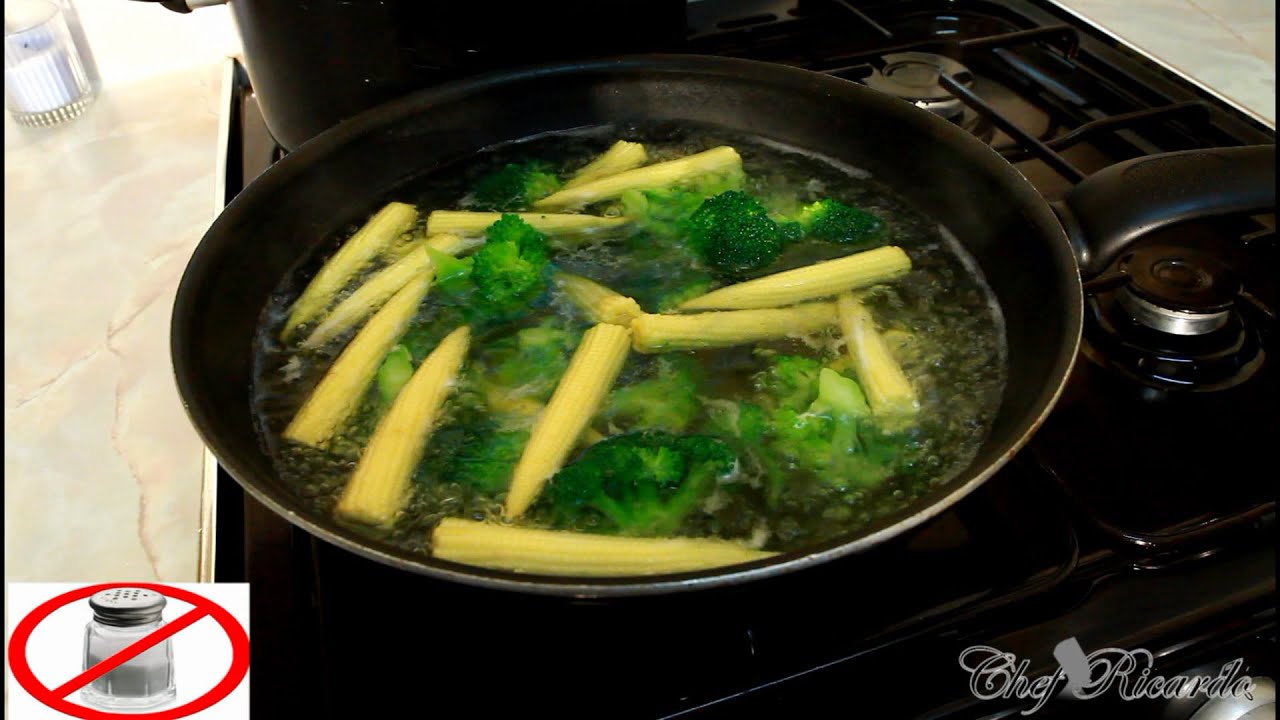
{"x":1173,"y":317}
{"x":914,"y":77}
{"x":1178,"y":290}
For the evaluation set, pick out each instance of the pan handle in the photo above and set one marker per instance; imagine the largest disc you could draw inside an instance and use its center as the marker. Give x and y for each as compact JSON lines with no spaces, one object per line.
{"x":1117,"y":205}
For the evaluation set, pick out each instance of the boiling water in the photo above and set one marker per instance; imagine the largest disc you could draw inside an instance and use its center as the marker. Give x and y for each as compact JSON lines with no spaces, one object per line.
{"x":947,"y":327}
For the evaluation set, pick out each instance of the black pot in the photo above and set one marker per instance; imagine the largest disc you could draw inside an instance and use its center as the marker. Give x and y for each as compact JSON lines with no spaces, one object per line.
{"x":1032,"y":257}
{"x":314,"y":64}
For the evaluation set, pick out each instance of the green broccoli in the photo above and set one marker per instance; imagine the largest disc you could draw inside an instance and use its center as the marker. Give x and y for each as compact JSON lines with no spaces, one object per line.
{"x":784,"y":390}
{"x":739,"y":420}
{"x":641,"y":484}
{"x":664,"y":213}
{"x":834,"y":437}
{"x":510,"y":272}
{"x":522,"y":368}
{"x":835,"y":222}
{"x":790,"y":381}
{"x":806,"y":417}
{"x":515,"y":186}
{"x":472,"y":447}
{"x":486,"y":458}
{"x":427,"y":329}
{"x":666,"y":401}
{"x":450,"y":271}
{"x":395,"y":371}
{"x":732,"y":232}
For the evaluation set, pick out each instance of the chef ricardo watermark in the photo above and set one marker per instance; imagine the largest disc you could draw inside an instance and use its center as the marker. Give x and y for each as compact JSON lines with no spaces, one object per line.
{"x":995,"y":674}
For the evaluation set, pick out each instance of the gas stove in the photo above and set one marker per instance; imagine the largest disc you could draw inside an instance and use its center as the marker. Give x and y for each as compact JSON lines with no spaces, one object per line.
{"x":1141,"y":515}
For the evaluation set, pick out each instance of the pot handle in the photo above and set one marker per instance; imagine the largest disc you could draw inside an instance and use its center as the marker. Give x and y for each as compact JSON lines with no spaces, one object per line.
{"x":185,"y":6}
{"x":1112,"y":208}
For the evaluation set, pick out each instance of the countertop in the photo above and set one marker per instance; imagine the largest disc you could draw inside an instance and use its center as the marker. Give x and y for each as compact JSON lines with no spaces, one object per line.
{"x":102,"y":467}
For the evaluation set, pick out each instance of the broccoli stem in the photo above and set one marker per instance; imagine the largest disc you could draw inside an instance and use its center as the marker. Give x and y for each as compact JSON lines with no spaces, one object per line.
{"x":722,"y":159}
{"x":621,"y":156}
{"x":474,"y":224}
{"x":811,"y":282}
{"x":559,"y":552}
{"x":394,"y":372}
{"x":657,"y":333}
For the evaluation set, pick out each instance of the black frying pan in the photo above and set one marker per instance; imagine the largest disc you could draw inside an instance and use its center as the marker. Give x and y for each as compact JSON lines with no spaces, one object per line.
{"x":1032,"y":257}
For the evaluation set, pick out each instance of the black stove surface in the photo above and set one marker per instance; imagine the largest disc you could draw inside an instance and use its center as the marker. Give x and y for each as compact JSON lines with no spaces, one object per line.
{"x":1141,"y":515}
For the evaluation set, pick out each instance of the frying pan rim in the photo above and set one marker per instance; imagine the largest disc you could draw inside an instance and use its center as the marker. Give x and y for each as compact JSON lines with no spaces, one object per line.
{"x":1037,"y":213}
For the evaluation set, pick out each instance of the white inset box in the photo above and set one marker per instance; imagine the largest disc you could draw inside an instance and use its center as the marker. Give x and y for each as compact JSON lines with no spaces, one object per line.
{"x":128,"y":650}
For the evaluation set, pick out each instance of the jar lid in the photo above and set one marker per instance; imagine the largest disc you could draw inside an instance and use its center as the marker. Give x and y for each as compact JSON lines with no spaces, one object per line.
{"x":127,"y":606}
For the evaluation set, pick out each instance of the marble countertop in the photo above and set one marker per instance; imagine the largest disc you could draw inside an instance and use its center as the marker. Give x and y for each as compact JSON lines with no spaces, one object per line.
{"x":102,"y":467}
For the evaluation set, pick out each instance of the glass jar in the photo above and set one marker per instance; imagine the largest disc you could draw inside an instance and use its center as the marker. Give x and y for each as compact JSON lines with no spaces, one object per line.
{"x":121,"y":617}
{"x":49,"y":73}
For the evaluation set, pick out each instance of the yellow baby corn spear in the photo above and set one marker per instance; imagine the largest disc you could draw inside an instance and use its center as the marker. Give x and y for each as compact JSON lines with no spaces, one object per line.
{"x":379,"y":488}
{"x":379,"y":233}
{"x":556,"y":552}
{"x":811,"y":282}
{"x":584,"y":386}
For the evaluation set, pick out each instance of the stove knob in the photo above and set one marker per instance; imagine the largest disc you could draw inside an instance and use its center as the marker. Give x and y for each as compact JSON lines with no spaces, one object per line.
{"x":1261,"y":707}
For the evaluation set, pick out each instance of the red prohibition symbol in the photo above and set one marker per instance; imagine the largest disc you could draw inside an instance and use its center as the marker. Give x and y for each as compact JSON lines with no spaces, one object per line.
{"x":56,"y":697}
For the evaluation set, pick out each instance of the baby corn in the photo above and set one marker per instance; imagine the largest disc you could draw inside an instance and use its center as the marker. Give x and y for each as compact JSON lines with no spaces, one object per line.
{"x":377,"y":289}
{"x":472,"y":224}
{"x":555,"y":552}
{"x":656,"y":333}
{"x":672,"y":172}
{"x":379,"y":488}
{"x":621,"y":156}
{"x":381,"y":231}
{"x":586,"y":382}
{"x":888,"y":390}
{"x":600,"y":303}
{"x":340,"y":390}
{"x":811,"y":282}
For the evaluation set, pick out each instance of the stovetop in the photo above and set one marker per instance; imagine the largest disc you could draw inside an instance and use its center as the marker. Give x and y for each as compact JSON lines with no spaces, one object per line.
{"x":1140,"y":516}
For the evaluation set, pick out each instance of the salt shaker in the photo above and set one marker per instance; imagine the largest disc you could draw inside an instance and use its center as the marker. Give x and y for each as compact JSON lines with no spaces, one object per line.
{"x":49,"y":72}
{"x":121,"y":617}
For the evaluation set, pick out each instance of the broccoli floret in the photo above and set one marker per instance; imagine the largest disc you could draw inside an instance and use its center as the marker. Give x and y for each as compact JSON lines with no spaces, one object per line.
{"x":664,"y":213}
{"x":510,"y":229}
{"x":740,"y":420}
{"x":661,"y":213}
{"x":733,"y":233}
{"x":448,"y":268}
{"x":515,"y":186}
{"x":813,"y":418}
{"x":834,"y":436}
{"x":753,"y":423}
{"x":641,"y":484}
{"x":834,"y":222}
{"x":839,"y":396}
{"x":510,"y":271}
{"x":472,"y":447}
{"x":837,"y":450}
{"x":666,"y":401}
{"x":524,"y":367}
{"x":790,"y":381}
{"x":486,"y":458}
